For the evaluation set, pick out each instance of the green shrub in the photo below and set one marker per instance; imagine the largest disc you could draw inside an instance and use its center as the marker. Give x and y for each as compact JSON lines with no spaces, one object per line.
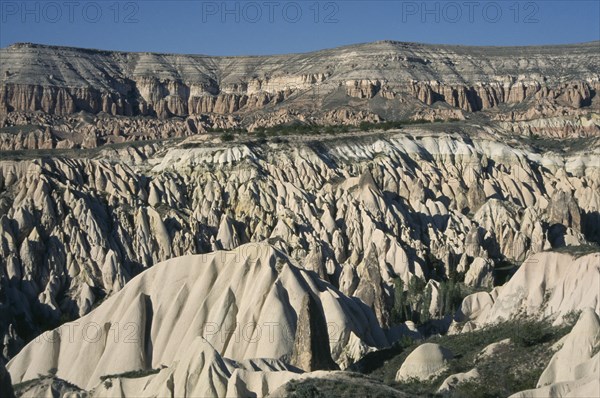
{"x":571,"y":317}
{"x":514,"y":367}
{"x":227,"y":137}
{"x":306,"y":390}
{"x":398,"y":313}
{"x":468,"y":389}
{"x":303,"y":389}
{"x":300,"y":128}
{"x":528,"y":333}
{"x":260,"y":135}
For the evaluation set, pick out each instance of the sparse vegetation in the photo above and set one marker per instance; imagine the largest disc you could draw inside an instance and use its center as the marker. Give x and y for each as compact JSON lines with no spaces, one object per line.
{"x":301,"y":129}
{"x":578,"y":251}
{"x":571,"y":317}
{"x":227,"y":137}
{"x":351,"y":385}
{"x":413,"y":304}
{"x":303,"y":390}
{"x":22,"y":388}
{"x":260,"y":135}
{"x":133,"y":374}
{"x":298,"y":128}
{"x":235,"y":130}
{"x":515,"y":367}
{"x":26,"y":384}
{"x":528,"y":333}
{"x":560,"y":145}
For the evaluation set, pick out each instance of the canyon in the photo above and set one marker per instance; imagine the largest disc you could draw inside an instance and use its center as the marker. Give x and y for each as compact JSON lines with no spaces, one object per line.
{"x":162,"y":227}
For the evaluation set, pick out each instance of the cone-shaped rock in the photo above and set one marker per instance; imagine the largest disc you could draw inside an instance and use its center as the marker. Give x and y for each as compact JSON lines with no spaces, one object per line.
{"x":311,"y":345}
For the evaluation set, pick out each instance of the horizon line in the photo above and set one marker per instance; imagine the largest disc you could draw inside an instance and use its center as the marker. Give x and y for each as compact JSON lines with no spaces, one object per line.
{"x":385,"y":41}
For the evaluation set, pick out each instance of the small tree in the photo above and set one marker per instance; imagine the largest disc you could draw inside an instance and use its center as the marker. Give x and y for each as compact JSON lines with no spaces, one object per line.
{"x":226,"y":137}
{"x":426,"y":303}
{"x":398,"y":311}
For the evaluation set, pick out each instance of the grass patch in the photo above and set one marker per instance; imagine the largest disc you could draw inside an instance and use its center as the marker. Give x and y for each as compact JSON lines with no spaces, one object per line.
{"x":298,"y":128}
{"x":578,"y":251}
{"x":351,"y":385}
{"x":516,"y":366}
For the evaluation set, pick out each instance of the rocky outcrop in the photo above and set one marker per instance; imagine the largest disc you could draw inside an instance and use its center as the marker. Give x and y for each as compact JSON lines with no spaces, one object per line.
{"x":311,"y":343}
{"x":551,"y":121}
{"x":425,"y":361}
{"x":547,"y":286}
{"x":577,"y":348}
{"x":27,"y":140}
{"x":359,"y":213}
{"x":452,"y":381}
{"x":493,"y":349}
{"x":574,"y":370}
{"x":187,"y":266}
{"x":485,"y":95}
{"x":199,"y":372}
{"x":246,"y":303}
{"x":391,"y":79}
{"x":480,"y":273}
{"x":51,"y":387}
{"x":363,"y":88}
{"x":563,"y":210}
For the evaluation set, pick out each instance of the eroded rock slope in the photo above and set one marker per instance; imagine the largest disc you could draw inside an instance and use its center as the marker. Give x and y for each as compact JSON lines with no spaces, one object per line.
{"x":245,"y":304}
{"x":548,"y":90}
{"x":360,"y":213}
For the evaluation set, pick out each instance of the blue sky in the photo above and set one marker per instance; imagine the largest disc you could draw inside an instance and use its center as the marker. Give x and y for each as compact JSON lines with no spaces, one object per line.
{"x":281,"y":26}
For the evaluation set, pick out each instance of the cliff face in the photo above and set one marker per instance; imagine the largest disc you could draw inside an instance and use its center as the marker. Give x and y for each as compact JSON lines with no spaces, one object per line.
{"x":54,"y":97}
{"x":61,"y":81}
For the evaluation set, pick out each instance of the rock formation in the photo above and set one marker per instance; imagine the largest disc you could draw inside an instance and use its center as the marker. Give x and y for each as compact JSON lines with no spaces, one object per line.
{"x":248,"y":303}
{"x":574,"y":371}
{"x":37,"y":77}
{"x":548,"y":285}
{"x":359,"y":213}
{"x":553,"y":95}
{"x":311,"y":342}
{"x":358,"y":194}
{"x":456,"y":379}
{"x":425,"y":361}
